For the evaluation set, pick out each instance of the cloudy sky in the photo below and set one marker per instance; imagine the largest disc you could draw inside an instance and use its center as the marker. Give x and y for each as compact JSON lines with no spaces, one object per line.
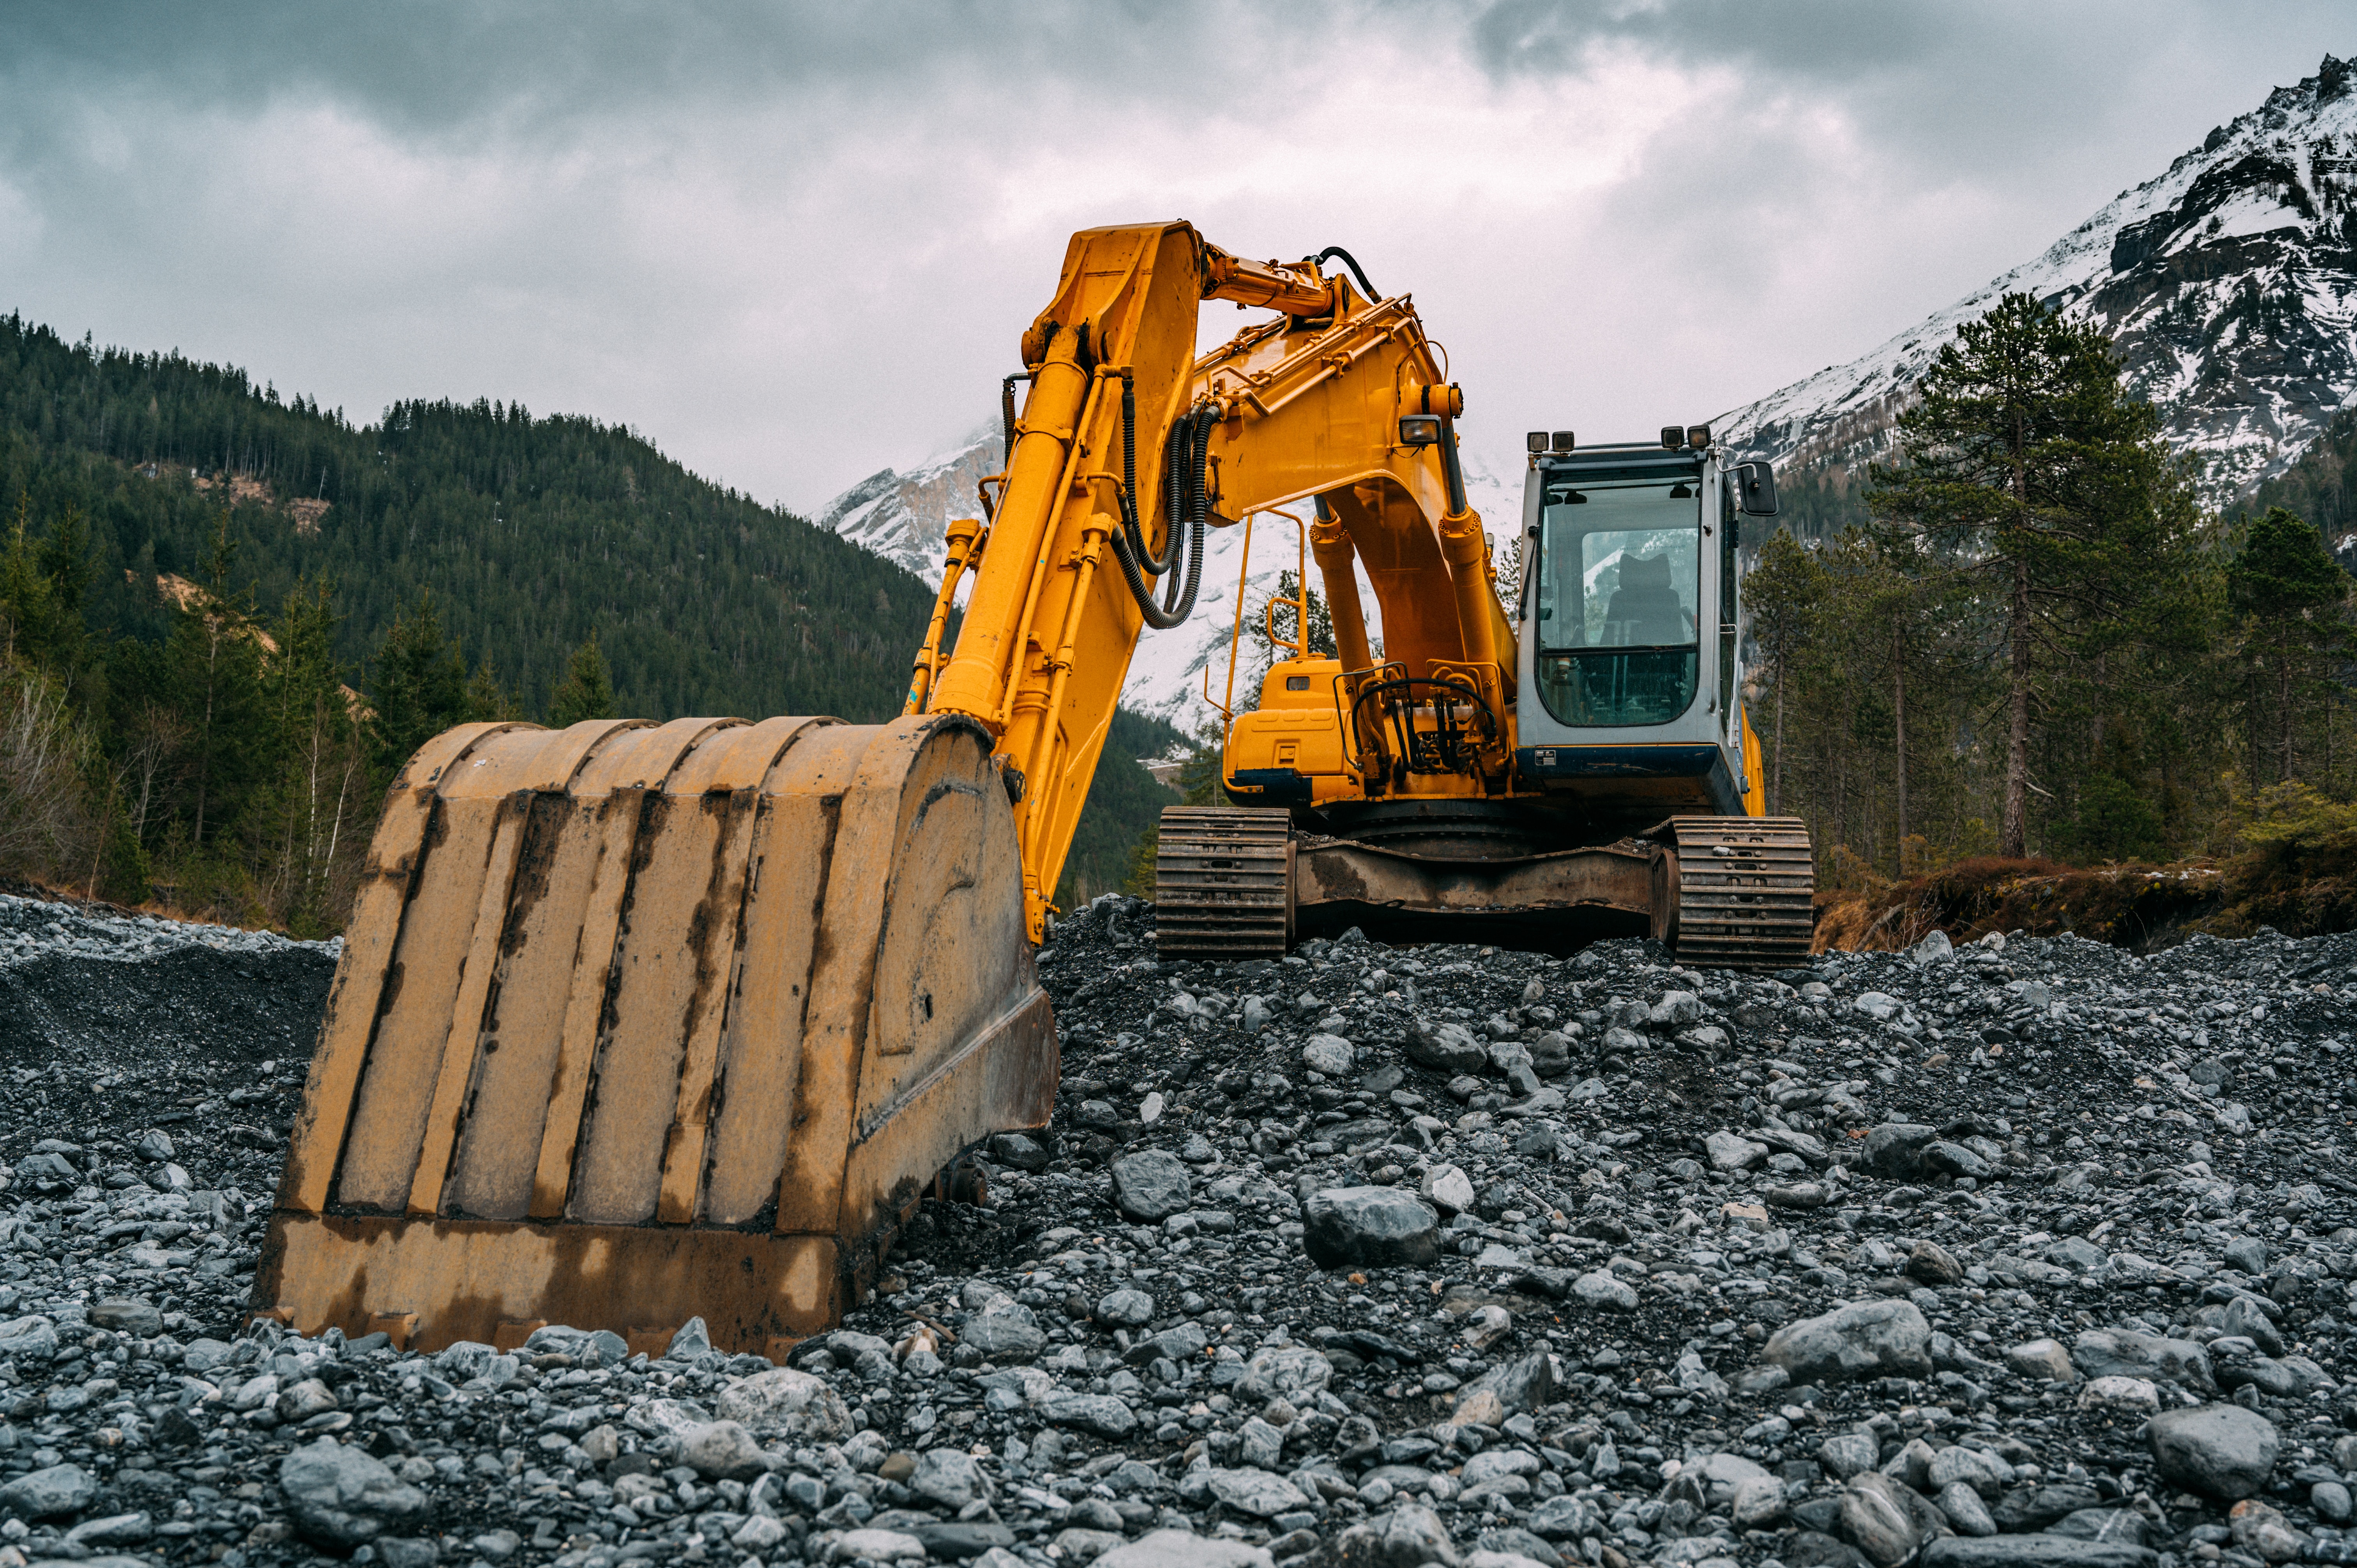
{"x":796,"y":243}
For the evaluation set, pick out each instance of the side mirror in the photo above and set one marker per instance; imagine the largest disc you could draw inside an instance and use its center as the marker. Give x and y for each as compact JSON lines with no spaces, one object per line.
{"x":1755,"y":489}
{"x":1420,"y":430}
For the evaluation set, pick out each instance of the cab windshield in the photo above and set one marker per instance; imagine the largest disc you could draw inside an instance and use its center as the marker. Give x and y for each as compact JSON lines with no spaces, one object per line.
{"x":1619,"y":580}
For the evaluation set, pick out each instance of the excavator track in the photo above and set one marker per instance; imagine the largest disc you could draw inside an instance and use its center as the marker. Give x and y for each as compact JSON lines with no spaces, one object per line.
{"x":1222,"y":882}
{"x":1746,"y":891}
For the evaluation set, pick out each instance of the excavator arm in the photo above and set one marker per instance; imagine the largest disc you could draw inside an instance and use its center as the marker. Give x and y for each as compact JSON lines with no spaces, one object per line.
{"x":1129,"y":446}
{"x":638,"y":1023}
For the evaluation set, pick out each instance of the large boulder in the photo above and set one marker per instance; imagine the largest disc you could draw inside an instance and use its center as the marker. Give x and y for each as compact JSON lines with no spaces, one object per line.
{"x":1368,"y":1225}
{"x":2222,"y":1450}
{"x":1860,"y":1339}
{"x":783,"y":1402}
{"x":342,"y":1498}
{"x":53,"y":1492}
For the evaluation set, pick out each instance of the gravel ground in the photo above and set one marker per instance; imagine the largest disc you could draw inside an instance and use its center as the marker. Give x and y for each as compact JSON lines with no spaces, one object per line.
{"x":2030,"y":1254}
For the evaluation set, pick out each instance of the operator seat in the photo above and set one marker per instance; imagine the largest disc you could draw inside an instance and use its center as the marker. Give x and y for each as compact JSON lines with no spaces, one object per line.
{"x":1646,"y":608}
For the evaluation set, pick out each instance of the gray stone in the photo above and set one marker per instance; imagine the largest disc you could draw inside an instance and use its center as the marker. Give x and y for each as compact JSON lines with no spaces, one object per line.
{"x":2247,"y":1253}
{"x":721,"y":1450}
{"x":1101,"y":1413}
{"x":2041,"y":1360}
{"x":1934,"y":1264}
{"x":1729,"y":1151}
{"x":1602,"y":1288}
{"x":2078,"y":1252}
{"x":1125,"y":1309}
{"x":1860,"y":1339}
{"x":1021,"y":1151}
{"x":1447,"y":1188}
{"x":1446,"y":1047}
{"x":1966,"y":1511}
{"x":1986,"y":1473}
{"x":693,"y":1339}
{"x":1370,"y":1226}
{"x":1151,"y":1185}
{"x":1880,"y":1515}
{"x":951,"y":1478}
{"x":49,"y":1493}
{"x":2223,"y":1450}
{"x":1255,"y":1492}
{"x":201,"y":1355}
{"x":2035,"y":1508}
{"x":2330,"y":1501}
{"x":1846,"y":1454}
{"x":305,"y":1400}
{"x":1005,"y":1330}
{"x":1565,"y":1518}
{"x":1955,"y":1160}
{"x":1292,"y":1372}
{"x":1329,"y":1054}
{"x":1895,"y":1148}
{"x":407,"y":1551}
{"x":1185,"y":1548}
{"x":783,"y":1402}
{"x":2125,"y":1353}
{"x":127,"y":1315}
{"x":2034,"y":1552}
{"x":1409,"y":1536}
{"x":342,"y":1498}
{"x":2121,"y":1526}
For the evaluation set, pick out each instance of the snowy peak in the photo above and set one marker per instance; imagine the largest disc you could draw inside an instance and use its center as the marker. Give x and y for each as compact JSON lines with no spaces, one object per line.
{"x":905,"y":517}
{"x":2228,"y":283}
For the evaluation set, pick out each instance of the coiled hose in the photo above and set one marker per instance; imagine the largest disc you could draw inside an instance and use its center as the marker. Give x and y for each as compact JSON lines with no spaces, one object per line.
{"x":1186,"y":501}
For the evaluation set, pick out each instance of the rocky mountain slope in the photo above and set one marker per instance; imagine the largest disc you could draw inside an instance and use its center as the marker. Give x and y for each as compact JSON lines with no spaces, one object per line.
{"x":2228,"y":281}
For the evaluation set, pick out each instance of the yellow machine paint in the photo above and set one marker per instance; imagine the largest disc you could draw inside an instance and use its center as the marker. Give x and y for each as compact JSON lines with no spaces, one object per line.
{"x":642,"y":1022}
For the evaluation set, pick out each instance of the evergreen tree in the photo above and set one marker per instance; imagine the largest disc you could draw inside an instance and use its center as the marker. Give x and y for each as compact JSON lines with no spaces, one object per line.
{"x":1784,"y":595}
{"x":420,"y":687}
{"x":586,"y":692}
{"x":2026,"y":465}
{"x":2287,"y":596}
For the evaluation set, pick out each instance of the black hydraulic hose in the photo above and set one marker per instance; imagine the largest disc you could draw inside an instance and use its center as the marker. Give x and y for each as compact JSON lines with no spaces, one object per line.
{"x":1331,"y":252}
{"x":1451,"y":470}
{"x":1185,"y":511}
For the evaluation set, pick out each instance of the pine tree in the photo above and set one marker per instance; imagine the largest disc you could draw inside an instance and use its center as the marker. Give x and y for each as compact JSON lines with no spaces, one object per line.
{"x":2287,"y":594}
{"x":586,"y":692}
{"x":2025,"y":466}
{"x":1784,"y":595}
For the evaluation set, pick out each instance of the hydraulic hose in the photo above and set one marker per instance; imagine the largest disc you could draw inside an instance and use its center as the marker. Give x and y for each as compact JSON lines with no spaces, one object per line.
{"x":1331,"y":252}
{"x":1186,"y":504}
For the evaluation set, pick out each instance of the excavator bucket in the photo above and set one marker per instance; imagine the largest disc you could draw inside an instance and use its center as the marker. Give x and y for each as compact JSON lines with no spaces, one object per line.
{"x":641,"y":1023}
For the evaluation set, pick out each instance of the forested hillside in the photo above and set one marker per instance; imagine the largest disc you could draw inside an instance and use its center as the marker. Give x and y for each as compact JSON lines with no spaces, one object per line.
{"x":227,"y":615}
{"x":530,"y":533}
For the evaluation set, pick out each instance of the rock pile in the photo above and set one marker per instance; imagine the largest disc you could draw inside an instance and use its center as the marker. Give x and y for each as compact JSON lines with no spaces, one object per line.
{"x":2032,"y":1253}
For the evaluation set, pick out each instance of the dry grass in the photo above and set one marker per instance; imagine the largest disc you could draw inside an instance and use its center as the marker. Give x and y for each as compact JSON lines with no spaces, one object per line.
{"x":2131,"y":906}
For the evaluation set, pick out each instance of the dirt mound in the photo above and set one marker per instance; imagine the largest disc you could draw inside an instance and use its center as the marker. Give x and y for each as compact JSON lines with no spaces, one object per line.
{"x":2140,"y":908}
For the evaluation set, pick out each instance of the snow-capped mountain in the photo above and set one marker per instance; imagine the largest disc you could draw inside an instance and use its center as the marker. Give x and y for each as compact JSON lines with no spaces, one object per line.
{"x":2229,"y":282}
{"x":905,"y":516}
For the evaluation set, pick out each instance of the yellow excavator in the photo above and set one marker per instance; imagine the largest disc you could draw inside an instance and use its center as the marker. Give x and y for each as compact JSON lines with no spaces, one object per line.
{"x":642,"y":1022}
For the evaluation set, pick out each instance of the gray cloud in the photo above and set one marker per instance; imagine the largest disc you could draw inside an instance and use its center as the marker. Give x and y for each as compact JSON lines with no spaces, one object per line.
{"x":794,"y":243}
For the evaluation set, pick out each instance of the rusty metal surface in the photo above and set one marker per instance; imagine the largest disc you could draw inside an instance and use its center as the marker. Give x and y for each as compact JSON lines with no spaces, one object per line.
{"x":1608,"y":876}
{"x":460,"y":1279}
{"x":628,"y":1008}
